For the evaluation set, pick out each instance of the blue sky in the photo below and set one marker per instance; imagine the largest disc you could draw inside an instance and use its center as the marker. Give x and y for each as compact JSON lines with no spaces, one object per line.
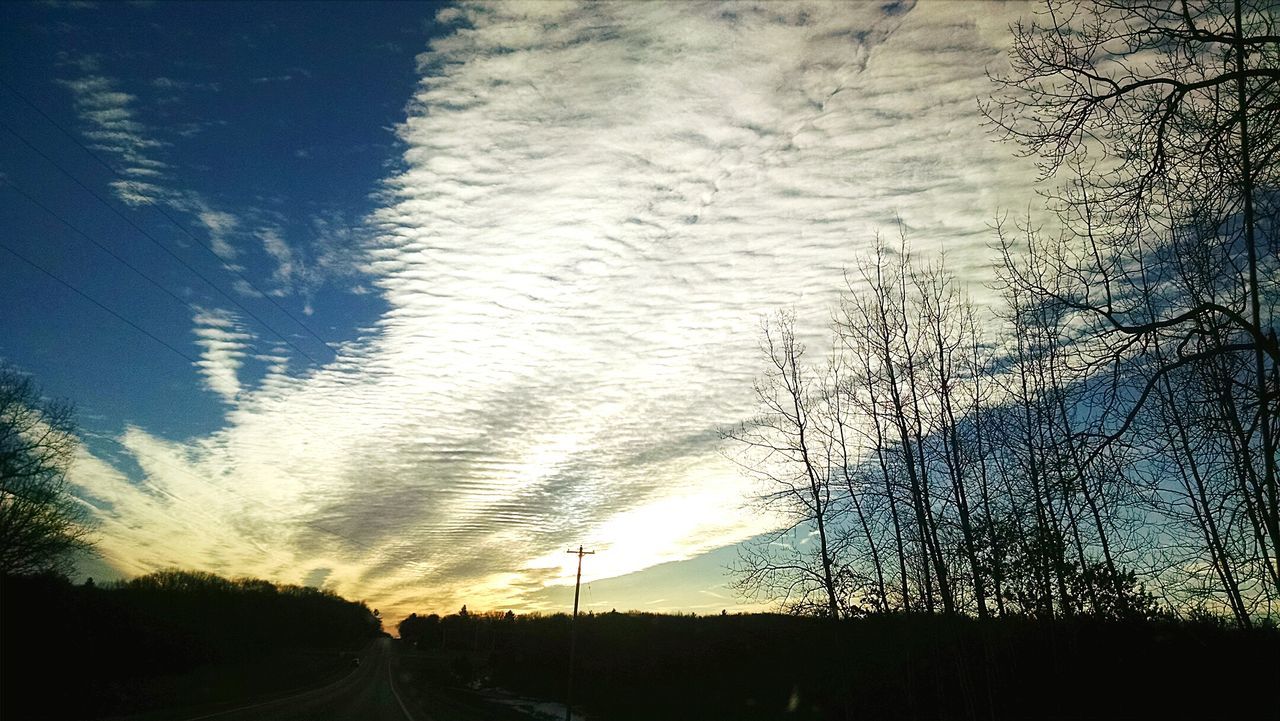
{"x":425,"y":294}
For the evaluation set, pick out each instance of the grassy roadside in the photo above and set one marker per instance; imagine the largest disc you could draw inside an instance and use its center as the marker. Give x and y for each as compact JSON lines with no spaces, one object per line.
{"x":763,"y":667}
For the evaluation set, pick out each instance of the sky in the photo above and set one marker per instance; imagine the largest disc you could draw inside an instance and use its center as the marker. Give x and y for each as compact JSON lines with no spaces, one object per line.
{"x":404,"y":300}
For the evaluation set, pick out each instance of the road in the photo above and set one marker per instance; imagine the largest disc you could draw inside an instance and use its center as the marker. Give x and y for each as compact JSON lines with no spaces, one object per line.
{"x":366,"y":694}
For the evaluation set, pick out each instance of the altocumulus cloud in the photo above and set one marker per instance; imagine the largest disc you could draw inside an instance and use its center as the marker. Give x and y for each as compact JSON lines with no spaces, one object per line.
{"x":596,"y":205}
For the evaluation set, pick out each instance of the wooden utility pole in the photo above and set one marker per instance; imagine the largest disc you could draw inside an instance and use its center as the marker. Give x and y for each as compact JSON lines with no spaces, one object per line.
{"x":573,"y":632}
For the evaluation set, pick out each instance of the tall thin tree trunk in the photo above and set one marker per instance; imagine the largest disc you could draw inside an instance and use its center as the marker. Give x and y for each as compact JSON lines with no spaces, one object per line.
{"x":1271,"y":509}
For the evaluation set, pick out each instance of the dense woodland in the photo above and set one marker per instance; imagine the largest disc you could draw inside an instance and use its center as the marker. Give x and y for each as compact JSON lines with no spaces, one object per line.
{"x":169,"y":639}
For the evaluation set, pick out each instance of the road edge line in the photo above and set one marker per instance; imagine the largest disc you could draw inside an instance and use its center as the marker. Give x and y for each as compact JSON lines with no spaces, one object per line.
{"x":391,"y":679}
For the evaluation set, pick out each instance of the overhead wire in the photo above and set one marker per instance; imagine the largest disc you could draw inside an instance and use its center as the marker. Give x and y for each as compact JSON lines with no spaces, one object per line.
{"x":186,"y":357}
{"x":277,"y":554}
{"x":191,"y":474}
{"x":7,"y":181}
{"x":133,"y":184}
{"x":112,"y":207}
{"x":104,"y":248}
{"x":309,"y":524}
{"x":96,"y":302}
{"x":162,"y":246}
{"x":174,"y":256}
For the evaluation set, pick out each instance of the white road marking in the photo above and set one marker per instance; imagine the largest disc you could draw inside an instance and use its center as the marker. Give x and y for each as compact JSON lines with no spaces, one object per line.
{"x":392,"y":680}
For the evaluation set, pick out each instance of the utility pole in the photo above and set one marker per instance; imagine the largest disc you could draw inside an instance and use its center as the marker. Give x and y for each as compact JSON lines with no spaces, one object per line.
{"x":573,"y":632}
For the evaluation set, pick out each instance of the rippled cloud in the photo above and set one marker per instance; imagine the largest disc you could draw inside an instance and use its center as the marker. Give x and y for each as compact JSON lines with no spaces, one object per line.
{"x":596,"y":205}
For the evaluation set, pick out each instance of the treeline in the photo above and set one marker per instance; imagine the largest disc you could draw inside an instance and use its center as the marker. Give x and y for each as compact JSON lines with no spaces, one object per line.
{"x":1106,"y":441}
{"x":636,"y":666}
{"x":929,"y":466}
{"x":459,"y":631}
{"x":150,"y":642}
{"x":940,"y":459}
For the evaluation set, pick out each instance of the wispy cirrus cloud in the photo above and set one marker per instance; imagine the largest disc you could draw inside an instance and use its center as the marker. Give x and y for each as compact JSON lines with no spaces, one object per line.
{"x":111,"y":125}
{"x":335,"y":252}
{"x":595,"y":206}
{"x":220,"y":226}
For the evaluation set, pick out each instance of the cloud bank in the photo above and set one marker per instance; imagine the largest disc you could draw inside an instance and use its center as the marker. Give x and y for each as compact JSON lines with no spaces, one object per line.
{"x":596,"y":205}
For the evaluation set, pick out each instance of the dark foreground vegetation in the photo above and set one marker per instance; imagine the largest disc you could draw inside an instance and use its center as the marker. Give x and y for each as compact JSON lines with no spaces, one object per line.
{"x":168,"y":640}
{"x":894,"y":666}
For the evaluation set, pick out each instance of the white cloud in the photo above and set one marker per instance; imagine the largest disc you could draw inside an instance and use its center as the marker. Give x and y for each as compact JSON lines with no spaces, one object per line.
{"x":223,"y":343}
{"x":220,"y":225}
{"x":112,"y":128}
{"x":333,"y":254}
{"x":597,"y":204}
{"x":276,"y":247}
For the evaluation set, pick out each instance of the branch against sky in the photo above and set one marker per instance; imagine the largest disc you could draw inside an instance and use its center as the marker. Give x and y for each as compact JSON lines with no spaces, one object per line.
{"x":43,"y":526}
{"x":1163,"y":118}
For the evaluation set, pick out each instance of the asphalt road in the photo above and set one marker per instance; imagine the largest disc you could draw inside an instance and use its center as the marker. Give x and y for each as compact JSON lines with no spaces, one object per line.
{"x":366,"y":694}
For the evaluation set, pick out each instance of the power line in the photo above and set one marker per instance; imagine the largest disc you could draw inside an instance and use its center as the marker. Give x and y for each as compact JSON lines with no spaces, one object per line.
{"x":202,"y":479}
{"x":93,"y":300}
{"x":250,"y":345}
{"x":160,"y":245}
{"x":125,"y":179}
{"x":104,"y":248}
{"x":133,"y":185}
{"x":110,"y":206}
{"x":154,"y":282}
{"x":129,"y":265}
{"x":147,"y":333}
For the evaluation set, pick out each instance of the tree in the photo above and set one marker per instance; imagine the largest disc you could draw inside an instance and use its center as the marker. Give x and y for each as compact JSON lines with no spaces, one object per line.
{"x":926,"y":470}
{"x":42,"y":526}
{"x":883,"y":329}
{"x":1165,"y":118}
{"x":787,"y":452}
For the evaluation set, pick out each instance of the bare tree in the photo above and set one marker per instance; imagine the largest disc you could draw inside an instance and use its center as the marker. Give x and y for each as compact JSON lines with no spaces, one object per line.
{"x":918,"y":473}
{"x":946,"y":317}
{"x":1166,"y":115}
{"x":42,"y":526}
{"x":883,"y":333}
{"x":1078,"y":490}
{"x":861,"y":391}
{"x":785,"y":450}
{"x":841,"y":430}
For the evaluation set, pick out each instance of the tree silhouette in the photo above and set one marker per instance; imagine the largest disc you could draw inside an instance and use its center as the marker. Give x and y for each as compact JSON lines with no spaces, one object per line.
{"x":786,"y":450}
{"x":42,"y":526}
{"x":1164,"y":119}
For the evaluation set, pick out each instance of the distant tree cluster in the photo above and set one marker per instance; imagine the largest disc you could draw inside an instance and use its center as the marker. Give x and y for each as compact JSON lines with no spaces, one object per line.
{"x":221,"y":618}
{"x":1109,"y":441}
{"x":464,"y":630}
{"x":126,"y":644}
